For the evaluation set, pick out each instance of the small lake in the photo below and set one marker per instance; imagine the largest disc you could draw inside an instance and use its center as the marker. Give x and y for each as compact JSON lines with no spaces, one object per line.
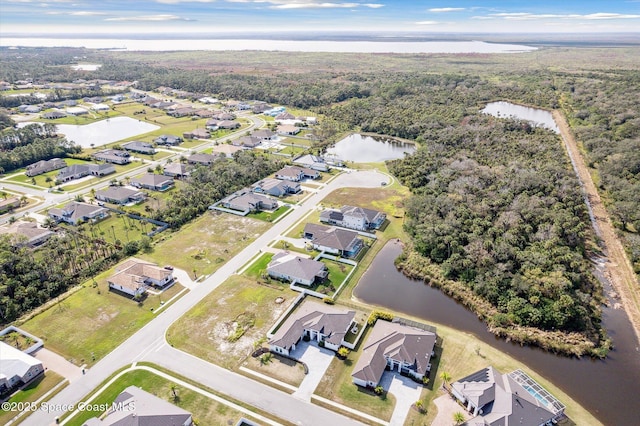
{"x":602,"y":387}
{"x":105,"y":131}
{"x":539,"y":117}
{"x":370,"y":149}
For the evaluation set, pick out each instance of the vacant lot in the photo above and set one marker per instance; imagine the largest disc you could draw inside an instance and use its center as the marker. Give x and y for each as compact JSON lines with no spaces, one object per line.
{"x":93,"y":321}
{"x":227,"y":324}
{"x":278,"y":367}
{"x":207,"y":242}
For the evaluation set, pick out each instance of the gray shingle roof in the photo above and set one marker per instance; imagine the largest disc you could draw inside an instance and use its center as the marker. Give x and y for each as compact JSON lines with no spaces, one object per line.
{"x":331,"y":321}
{"x":295,"y":266}
{"x":327,"y":236}
{"x":399,"y":342}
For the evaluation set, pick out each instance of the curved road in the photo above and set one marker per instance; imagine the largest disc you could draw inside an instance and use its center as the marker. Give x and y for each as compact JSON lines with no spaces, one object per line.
{"x":149,"y":344}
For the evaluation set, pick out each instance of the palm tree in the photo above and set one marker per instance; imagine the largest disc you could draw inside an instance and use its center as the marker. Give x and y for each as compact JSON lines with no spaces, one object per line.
{"x":445,"y":378}
{"x":174,"y":391}
{"x":458,"y":417}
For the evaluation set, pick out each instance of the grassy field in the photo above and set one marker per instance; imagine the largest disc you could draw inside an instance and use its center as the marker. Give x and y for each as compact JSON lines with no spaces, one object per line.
{"x":31,"y":393}
{"x":92,"y":322}
{"x":206,"y":411}
{"x":207,"y":242}
{"x":80,"y":120}
{"x":258,"y":266}
{"x":224,"y":327}
{"x":115,"y":227}
{"x":270,"y":216}
{"x":279,"y":368}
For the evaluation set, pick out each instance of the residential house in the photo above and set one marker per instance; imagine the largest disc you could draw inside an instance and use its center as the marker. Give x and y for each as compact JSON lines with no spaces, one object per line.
{"x":259,"y":108}
{"x":153,"y":182}
{"x":285,"y":116}
{"x":247,"y":201}
{"x":318,"y":322}
{"x":100,"y":107}
{"x":312,"y":162}
{"x":168,"y":140}
{"x":141,"y":147}
{"x":296,"y":174}
{"x":506,"y":399}
{"x":204,"y":113}
{"x":53,"y":115}
{"x":45,"y":166}
{"x":353,"y":217}
{"x":176,"y":170}
{"x":17,"y":368}
{"x":226,"y":149}
{"x":115,"y":156}
{"x":76,"y":212}
{"x":224,"y":116}
{"x":264,"y":135}
{"x":275,"y":187}
{"x":181,"y":112}
{"x":26,"y":233}
{"x":119,"y":195}
{"x":134,"y":275}
{"x":333,"y":240}
{"x":296,"y":269}
{"x":288,"y":129}
{"x":196,"y":134}
{"x":394,"y":346}
{"x":293,"y":174}
{"x":77,"y":171}
{"x":202,"y":159}
{"x":31,"y":109}
{"x":9,"y":204}
{"x":247,"y":141}
{"x":228,"y":124}
{"x":135,"y":407}
{"x":76,"y":111}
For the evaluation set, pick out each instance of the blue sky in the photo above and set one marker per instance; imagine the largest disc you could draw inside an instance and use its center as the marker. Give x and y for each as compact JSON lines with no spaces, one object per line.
{"x":441,"y":16}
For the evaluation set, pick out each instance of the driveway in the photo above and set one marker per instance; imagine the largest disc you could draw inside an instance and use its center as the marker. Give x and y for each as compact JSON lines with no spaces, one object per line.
{"x":318,"y":360}
{"x":406,"y":391}
{"x":447,"y":406}
{"x":54,"y":362}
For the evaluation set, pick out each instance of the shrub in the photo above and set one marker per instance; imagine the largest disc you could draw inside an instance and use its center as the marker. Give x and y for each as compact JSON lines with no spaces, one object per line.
{"x":328,"y":301}
{"x":375,"y":315}
{"x":379,"y":390}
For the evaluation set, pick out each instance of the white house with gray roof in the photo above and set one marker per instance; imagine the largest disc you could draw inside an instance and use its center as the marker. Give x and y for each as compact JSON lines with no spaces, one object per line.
{"x":354,"y":217}
{"x":497,"y":399}
{"x":135,"y":407}
{"x":75,"y":212}
{"x":45,"y":166}
{"x":296,"y":269}
{"x":138,"y":146}
{"x":333,"y":240}
{"x":317,"y":321}
{"x":16,"y":367}
{"x":120,"y":195}
{"x":395,"y":346}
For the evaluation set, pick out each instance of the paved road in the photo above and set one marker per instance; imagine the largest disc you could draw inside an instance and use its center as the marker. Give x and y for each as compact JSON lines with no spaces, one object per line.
{"x":149,"y":342}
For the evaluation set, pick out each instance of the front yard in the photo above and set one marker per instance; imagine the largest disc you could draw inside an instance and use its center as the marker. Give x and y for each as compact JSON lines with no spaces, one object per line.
{"x":31,"y":393}
{"x":225,"y":327}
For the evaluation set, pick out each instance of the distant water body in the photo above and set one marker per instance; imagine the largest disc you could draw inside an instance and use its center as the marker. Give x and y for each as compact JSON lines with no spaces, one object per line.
{"x":273,"y":45}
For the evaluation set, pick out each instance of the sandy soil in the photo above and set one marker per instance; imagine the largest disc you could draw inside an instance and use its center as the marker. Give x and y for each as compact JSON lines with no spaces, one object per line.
{"x":618,"y":267}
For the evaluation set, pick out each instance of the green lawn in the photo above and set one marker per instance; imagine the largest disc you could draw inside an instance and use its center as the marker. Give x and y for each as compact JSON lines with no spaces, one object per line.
{"x":91,"y":117}
{"x":224,"y":326}
{"x":206,"y":411}
{"x":207,"y":242}
{"x":259,"y":266}
{"x":270,"y":216}
{"x":93,"y":321}
{"x":337,"y":273}
{"x":31,"y":393}
{"x":41,"y":180}
{"x":115,"y":227}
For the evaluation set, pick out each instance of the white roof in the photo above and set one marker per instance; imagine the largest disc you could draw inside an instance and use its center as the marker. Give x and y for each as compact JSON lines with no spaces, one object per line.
{"x":14,"y":362}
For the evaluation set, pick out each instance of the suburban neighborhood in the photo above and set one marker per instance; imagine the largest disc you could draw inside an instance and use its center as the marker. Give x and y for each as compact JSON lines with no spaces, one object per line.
{"x":251,"y":301}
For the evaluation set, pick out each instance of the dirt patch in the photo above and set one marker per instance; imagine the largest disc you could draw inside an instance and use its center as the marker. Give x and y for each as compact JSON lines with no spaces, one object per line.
{"x":618,"y":267}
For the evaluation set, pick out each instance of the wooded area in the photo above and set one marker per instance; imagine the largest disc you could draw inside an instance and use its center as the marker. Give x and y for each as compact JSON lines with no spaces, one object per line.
{"x":495,"y":202}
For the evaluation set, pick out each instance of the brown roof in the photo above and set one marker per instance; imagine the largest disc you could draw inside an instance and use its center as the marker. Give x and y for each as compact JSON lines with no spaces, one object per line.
{"x":395,"y":341}
{"x":331,"y":321}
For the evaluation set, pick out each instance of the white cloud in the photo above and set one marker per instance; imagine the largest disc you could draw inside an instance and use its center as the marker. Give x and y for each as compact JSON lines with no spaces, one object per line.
{"x":609,"y":16}
{"x":524,"y":16}
{"x":149,"y":18}
{"x":306,"y":4}
{"x":427,"y":23}
{"x":86,"y":13}
{"x":446,"y":9}
{"x":184,"y":1}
